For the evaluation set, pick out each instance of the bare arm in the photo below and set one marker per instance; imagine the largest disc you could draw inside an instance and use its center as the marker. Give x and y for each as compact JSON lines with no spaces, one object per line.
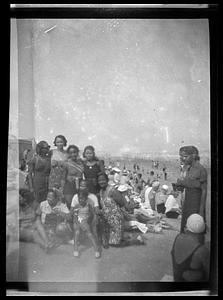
{"x":64,"y":176}
{"x":31,"y":169}
{"x":102,"y":167}
{"x":203,"y":199}
{"x":203,"y":179}
{"x":41,"y":229}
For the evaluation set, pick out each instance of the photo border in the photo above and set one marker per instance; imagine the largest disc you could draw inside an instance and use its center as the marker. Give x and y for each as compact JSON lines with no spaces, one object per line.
{"x":212,"y":14}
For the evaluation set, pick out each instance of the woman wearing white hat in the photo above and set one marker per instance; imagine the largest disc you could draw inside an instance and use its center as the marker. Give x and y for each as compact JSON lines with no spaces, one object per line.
{"x":117,"y":175}
{"x":190,"y":256}
{"x":161,"y":198}
{"x":173,"y":205}
{"x":150,"y":194}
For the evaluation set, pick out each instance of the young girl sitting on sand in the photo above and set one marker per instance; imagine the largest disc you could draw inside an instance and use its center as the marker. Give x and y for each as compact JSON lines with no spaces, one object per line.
{"x":82,"y":213}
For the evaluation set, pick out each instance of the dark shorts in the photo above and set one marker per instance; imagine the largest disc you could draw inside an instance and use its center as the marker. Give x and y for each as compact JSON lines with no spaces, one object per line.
{"x":172,"y":214}
{"x":161,"y":208}
{"x":69,"y":188}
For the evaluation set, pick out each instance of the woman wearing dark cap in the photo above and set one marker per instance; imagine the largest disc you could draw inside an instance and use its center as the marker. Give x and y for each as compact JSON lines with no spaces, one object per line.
{"x":92,"y":168}
{"x":58,"y":157}
{"x":38,"y":171}
{"x":194,"y":182}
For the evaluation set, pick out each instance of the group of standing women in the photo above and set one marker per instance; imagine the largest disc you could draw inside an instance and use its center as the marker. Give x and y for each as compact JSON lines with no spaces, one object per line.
{"x":62,"y":169}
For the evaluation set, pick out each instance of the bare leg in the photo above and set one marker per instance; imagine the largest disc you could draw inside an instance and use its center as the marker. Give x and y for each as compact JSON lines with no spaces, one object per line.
{"x":41,"y":231}
{"x":92,"y":239}
{"x":94,"y":226}
{"x":95,"y":245}
{"x":26,"y":235}
{"x":38,"y":240}
{"x":68,"y":200}
{"x":105,"y":233}
{"x":76,"y":239}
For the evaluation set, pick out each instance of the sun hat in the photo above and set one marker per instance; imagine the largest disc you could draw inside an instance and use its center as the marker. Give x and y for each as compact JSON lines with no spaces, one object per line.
{"x":124,"y":172}
{"x":195,"y":223}
{"x":122,"y":188}
{"x":155,"y":183}
{"x":115,"y":169}
{"x":165,"y":187}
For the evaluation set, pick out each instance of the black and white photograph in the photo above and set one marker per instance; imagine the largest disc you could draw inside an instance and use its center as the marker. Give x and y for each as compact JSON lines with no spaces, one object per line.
{"x":109,"y":152}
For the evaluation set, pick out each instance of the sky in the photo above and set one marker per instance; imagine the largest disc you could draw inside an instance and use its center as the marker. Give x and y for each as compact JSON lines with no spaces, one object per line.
{"x":122,"y":85}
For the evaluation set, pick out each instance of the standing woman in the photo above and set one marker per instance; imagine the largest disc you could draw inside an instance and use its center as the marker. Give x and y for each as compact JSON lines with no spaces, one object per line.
{"x":92,"y":168}
{"x":194,"y":181}
{"x":39,"y":171}
{"x":58,"y":157}
{"x":72,"y":173}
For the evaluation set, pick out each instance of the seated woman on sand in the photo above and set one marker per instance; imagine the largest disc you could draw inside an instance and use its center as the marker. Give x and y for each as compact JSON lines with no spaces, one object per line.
{"x":112,"y":218}
{"x":172,"y":205}
{"x":55,"y":218}
{"x":30,"y":228}
{"x":161,"y":198}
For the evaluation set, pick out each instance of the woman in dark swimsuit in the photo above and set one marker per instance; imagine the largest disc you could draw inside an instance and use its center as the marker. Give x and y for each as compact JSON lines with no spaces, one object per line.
{"x":92,"y":168}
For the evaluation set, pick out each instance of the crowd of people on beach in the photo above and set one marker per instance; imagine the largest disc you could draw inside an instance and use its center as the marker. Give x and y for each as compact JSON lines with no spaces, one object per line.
{"x":65,"y":195}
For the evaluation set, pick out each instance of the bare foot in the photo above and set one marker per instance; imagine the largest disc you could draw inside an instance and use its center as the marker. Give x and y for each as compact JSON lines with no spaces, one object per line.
{"x":76,"y":253}
{"x":97,"y":254}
